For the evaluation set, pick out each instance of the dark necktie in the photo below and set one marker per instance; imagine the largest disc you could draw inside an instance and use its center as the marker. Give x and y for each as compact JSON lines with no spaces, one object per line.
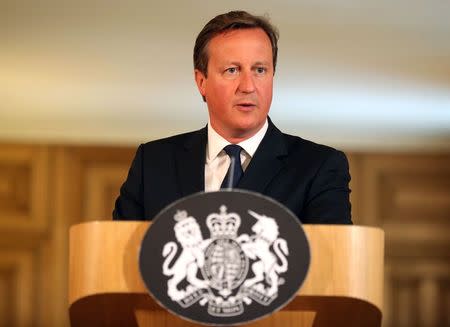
{"x":235,"y":171}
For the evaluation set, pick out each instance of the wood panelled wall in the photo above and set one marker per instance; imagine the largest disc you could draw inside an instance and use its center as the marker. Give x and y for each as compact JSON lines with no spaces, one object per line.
{"x":44,"y":189}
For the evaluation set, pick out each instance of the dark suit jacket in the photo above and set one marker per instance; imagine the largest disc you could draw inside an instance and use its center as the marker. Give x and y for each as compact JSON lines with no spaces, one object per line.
{"x":310,"y":179}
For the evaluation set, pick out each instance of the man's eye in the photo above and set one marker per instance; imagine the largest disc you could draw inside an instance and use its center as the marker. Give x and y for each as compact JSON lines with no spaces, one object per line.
{"x":231,"y":70}
{"x":261,"y":70}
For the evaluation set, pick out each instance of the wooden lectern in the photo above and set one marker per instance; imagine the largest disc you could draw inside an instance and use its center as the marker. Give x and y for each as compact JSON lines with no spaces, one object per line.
{"x":344,"y":285}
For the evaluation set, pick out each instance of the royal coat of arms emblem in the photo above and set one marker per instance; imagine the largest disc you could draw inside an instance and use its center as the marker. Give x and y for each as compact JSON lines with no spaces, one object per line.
{"x":224,"y":261}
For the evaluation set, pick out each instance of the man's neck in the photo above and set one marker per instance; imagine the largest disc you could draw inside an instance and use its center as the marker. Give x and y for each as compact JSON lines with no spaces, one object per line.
{"x":237,"y":137}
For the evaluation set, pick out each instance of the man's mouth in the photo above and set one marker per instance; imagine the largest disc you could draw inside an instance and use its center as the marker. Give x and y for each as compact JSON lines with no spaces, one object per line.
{"x":246,"y":105}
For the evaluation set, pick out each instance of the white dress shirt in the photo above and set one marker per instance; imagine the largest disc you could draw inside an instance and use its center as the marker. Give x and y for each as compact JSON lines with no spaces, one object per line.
{"x":217,"y":161}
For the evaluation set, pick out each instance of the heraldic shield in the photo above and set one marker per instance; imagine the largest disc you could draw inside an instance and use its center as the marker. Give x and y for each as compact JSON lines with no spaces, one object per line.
{"x":224,"y":258}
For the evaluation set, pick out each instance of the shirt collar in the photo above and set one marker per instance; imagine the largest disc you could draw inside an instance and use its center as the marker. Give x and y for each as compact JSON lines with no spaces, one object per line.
{"x":216,"y":143}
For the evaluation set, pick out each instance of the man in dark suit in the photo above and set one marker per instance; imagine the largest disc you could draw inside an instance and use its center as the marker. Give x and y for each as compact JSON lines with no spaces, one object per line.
{"x":234,"y":59}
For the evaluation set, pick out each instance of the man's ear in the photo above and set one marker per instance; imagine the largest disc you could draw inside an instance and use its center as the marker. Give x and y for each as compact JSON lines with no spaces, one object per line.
{"x":200,"y":79}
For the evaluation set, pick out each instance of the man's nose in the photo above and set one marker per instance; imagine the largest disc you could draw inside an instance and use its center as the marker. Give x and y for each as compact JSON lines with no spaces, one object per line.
{"x":246,"y":83}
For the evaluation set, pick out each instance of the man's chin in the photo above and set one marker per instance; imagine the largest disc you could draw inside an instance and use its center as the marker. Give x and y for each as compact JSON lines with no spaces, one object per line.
{"x":246,"y":130}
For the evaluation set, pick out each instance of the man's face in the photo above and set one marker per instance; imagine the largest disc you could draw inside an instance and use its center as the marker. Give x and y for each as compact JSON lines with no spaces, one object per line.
{"x":238,"y":89}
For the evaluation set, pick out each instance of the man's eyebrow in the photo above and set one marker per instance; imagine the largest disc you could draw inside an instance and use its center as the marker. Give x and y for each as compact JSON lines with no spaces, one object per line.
{"x":263,"y":63}
{"x":258,"y":63}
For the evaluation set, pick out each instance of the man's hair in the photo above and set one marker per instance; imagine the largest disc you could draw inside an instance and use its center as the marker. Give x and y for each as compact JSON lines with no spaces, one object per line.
{"x":232,"y":20}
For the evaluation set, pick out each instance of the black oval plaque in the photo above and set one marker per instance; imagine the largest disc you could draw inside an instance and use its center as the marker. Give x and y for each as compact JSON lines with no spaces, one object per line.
{"x":224,"y":258}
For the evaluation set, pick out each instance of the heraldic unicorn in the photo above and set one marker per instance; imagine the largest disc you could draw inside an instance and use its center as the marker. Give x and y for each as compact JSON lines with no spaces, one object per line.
{"x":226,"y":270}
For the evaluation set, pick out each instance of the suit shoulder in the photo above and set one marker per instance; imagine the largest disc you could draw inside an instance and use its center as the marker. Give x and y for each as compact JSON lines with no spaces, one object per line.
{"x":172,"y":141}
{"x":303,"y":146}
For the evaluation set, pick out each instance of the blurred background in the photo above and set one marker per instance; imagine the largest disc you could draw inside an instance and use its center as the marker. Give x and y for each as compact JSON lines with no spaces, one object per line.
{"x":82,"y":83}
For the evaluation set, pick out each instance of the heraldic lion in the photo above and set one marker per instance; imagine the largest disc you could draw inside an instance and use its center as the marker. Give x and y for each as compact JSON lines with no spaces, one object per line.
{"x":188,"y":234}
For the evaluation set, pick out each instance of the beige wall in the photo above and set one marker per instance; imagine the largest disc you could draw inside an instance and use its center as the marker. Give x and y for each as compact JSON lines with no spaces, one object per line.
{"x":44,"y":189}
{"x":355,"y":75}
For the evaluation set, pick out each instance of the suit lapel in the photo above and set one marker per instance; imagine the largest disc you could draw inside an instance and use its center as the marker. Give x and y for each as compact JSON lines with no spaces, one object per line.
{"x":264,"y":166}
{"x":190,"y":163}
{"x":266,"y":163}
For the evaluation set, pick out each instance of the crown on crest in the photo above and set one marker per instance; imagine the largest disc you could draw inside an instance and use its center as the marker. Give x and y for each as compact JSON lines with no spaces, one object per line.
{"x":223,"y":224}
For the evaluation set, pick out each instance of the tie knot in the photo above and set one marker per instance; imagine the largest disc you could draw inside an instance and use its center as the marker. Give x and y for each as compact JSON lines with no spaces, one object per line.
{"x":233,"y":151}
{"x":235,"y":171}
